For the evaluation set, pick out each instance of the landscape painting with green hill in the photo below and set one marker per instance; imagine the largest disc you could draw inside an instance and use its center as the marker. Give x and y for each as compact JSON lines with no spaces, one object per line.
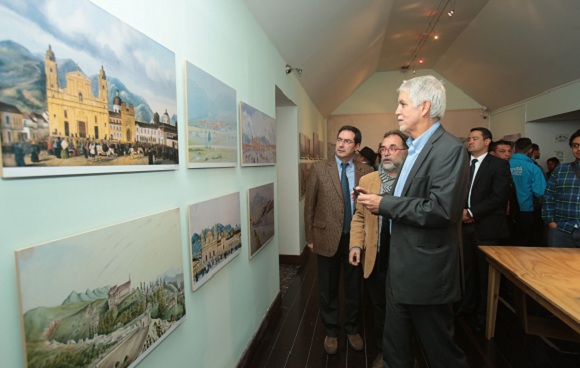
{"x":104,"y":298}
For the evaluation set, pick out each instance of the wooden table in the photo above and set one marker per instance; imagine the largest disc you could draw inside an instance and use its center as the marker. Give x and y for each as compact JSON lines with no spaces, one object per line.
{"x":550,"y":276}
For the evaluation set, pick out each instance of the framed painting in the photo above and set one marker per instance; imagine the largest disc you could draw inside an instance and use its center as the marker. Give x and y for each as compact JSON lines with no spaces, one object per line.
{"x":104,"y":298}
{"x":211,"y":110}
{"x":303,"y":171}
{"x":215,"y":236}
{"x":261,"y":217}
{"x":258,"y":137}
{"x":72,"y":104}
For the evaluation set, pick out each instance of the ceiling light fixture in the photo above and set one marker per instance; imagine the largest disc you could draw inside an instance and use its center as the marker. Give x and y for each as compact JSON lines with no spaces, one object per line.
{"x":429,"y":30}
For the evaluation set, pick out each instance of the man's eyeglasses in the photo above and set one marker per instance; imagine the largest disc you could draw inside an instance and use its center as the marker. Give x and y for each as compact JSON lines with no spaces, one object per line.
{"x":575,"y":145}
{"x":391,"y":149}
{"x":345,"y":141}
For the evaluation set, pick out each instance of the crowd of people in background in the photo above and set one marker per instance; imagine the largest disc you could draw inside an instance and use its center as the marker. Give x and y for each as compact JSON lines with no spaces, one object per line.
{"x":413,"y":216}
{"x":63,"y":148}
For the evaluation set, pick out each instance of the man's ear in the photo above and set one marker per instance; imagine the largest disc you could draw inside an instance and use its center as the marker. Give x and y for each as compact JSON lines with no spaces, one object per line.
{"x":425,"y":107}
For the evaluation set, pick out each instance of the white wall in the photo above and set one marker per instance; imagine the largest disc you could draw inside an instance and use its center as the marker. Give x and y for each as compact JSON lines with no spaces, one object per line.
{"x":221,"y":38}
{"x":544,"y":134}
{"x":379,"y":94}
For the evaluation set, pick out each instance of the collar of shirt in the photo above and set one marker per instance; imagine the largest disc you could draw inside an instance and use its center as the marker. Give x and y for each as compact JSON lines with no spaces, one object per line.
{"x":415,"y":147}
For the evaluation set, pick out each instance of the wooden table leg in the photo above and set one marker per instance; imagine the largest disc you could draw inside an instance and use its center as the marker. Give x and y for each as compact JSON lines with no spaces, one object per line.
{"x":492,"y":299}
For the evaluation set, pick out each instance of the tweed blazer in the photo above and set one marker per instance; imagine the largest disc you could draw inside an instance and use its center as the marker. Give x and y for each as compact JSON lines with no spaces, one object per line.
{"x":364,"y":229}
{"x":323,"y":205}
{"x":426,"y":225}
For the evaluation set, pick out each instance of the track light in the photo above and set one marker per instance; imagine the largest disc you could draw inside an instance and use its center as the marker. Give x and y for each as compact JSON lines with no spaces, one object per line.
{"x":289,"y":69}
{"x":450,"y":12}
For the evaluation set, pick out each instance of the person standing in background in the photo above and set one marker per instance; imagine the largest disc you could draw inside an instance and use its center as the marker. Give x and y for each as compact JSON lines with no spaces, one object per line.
{"x":561,"y":210}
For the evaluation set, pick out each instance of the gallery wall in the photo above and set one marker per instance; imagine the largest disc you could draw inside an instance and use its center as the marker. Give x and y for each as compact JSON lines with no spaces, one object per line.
{"x":221,"y":38}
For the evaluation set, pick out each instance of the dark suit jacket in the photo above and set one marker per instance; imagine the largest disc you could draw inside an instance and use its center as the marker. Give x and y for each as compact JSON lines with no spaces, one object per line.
{"x":489,"y":196}
{"x":424,"y":261}
{"x":323,"y":205}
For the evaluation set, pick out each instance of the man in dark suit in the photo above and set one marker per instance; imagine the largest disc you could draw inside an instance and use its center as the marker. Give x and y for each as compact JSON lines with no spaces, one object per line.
{"x":484,"y":219}
{"x":423,"y":279}
{"x":328,"y":210}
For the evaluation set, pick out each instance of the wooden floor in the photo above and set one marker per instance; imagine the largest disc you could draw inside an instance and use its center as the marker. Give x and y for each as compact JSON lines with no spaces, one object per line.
{"x":296,"y":338}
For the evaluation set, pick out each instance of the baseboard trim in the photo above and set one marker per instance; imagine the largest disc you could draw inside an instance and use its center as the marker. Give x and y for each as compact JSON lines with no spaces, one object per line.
{"x":294,"y":260}
{"x":272,"y":315}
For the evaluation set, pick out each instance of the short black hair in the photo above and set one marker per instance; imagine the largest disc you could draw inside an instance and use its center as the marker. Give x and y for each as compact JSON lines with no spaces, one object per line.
{"x":355,"y":130}
{"x":554,"y":160}
{"x":523,"y":145}
{"x":575,"y":135}
{"x":485,"y":133}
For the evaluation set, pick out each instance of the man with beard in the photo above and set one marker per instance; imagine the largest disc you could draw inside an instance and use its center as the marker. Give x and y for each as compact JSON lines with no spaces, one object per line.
{"x":369,"y":234}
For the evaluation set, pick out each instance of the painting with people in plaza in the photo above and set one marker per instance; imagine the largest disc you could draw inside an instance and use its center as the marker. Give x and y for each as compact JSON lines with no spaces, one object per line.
{"x":258,"y":137}
{"x":215,"y":236}
{"x":104,"y":298}
{"x":212,"y":135}
{"x":82,"y":92}
{"x":262,"y":224}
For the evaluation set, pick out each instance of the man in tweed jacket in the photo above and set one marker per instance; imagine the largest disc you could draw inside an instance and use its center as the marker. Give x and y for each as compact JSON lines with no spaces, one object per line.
{"x":325,"y":236}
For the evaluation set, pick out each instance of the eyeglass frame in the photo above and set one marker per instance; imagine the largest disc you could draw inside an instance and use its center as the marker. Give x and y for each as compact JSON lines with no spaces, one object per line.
{"x":391,"y":149}
{"x":348,"y":142}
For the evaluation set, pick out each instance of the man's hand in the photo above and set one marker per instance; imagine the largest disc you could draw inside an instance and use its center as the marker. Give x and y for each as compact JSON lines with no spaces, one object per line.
{"x":354,"y":256}
{"x":370,"y":201}
{"x":311,"y":246}
{"x":552,"y":225}
{"x":467,"y":219}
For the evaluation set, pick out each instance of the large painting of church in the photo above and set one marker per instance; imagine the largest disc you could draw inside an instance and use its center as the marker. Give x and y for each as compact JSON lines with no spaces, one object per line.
{"x":104,"y":298}
{"x":79,"y":100}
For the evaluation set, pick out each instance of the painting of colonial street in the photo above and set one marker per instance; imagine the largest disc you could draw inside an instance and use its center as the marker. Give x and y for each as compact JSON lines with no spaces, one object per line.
{"x":74,"y":99}
{"x":212,"y":138}
{"x":104,"y":298}
{"x":215,"y":236}
{"x":262,"y":224}
{"x":258,"y":137}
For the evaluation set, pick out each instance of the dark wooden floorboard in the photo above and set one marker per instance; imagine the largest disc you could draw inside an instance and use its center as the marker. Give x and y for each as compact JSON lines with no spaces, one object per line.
{"x":296,"y":339}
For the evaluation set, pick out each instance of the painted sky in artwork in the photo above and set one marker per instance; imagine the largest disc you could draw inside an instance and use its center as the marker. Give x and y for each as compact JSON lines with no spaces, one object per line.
{"x":81,"y":31}
{"x":257,"y":124}
{"x":224,"y":210}
{"x":141,"y":249}
{"x":209,"y":99}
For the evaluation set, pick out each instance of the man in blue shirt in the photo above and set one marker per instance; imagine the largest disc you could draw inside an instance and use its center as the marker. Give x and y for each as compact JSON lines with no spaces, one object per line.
{"x":561,"y":210}
{"x":530,"y":185}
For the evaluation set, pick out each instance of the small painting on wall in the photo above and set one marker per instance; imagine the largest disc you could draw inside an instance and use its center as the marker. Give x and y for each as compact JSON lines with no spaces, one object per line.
{"x":72,"y":104}
{"x":104,"y":298}
{"x":214,"y":236}
{"x":262,"y":224}
{"x":258,"y":137}
{"x":211,"y":110}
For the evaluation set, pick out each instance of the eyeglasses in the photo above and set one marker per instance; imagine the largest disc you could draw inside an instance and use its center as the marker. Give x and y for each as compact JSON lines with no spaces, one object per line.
{"x":575,"y":145}
{"x":345,"y":141}
{"x":391,"y":150}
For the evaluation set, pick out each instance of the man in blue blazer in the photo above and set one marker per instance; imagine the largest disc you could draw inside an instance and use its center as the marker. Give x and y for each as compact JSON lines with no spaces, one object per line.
{"x":425,"y":209}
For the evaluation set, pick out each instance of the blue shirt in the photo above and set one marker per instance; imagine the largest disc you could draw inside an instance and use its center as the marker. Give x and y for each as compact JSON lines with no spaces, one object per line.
{"x":415,"y":147}
{"x":529,"y":181}
{"x":562,"y":198}
{"x":349,"y":175}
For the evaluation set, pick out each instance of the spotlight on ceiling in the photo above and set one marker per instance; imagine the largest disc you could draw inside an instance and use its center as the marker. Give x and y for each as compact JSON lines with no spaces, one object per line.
{"x":289,"y":69}
{"x":450,"y":13}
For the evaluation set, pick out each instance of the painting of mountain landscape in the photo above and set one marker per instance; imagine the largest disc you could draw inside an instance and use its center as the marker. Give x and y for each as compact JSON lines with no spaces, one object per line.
{"x":72,"y":102}
{"x":258,"y":137}
{"x":212,"y":134}
{"x":215,"y":236}
{"x":105,"y":298}
{"x":262,"y":224}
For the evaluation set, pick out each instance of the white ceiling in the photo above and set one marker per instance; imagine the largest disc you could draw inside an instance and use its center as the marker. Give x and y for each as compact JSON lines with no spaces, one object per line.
{"x":496,"y":51}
